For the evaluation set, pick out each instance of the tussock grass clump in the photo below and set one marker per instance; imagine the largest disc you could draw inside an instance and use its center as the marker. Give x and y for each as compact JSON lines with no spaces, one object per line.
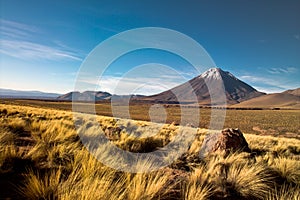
{"x":7,"y":137}
{"x":288,"y":169}
{"x":236,"y":176}
{"x":41,"y":186}
{"x":155,"y":185}
{"x":198,"y":185}
{"x":285,"y":192}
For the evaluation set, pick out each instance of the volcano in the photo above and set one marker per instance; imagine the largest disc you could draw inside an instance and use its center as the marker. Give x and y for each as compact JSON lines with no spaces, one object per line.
{"x":213,"y":87}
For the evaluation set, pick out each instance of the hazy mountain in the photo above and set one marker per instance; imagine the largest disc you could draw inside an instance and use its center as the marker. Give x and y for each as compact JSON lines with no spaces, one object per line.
{"x":85,"y":96}
{"x":95,"y":96}
{"x":235,"y":90}
{"x":286,"y":99}
{"x":8,"y":93}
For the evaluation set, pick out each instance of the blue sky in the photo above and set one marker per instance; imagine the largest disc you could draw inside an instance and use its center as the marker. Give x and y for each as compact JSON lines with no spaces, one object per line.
{"x":43,"y":43}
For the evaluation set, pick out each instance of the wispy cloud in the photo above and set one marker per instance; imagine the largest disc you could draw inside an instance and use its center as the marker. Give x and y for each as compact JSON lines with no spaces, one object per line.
{"x":297,"y":36}
{"x":29,"y":50}
{"x":133,"y":85}
{"x":16,"y":30}
{"x":258,"y":79}
{"x":68,"y":74}
{"x":18,"y":41}
{"x":270,"y":89}
{"x":150,"y":78}
{"x":281,"y":70}
{"x":269,"y":85}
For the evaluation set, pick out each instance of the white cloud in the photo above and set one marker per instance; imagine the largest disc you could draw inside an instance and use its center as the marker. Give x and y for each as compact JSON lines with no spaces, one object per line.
{"x":281,"y":70}
{"x":258,"y":79}
{"x":269,"y":90}
{"x":147,"y":79}
{"x":269,"y":85}
{"x":29,"y":50}
{"x":132,"y":85}
{"x":15,"y":29}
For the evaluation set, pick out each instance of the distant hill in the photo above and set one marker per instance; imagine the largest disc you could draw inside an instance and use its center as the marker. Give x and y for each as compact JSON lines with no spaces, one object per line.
{"x":286,"y":99}
{"x":295,"y":92}
{"x":235,"y":90}
{"x":8,"y":93}
{"x":94,"y":96}
{"x":85,"y":96}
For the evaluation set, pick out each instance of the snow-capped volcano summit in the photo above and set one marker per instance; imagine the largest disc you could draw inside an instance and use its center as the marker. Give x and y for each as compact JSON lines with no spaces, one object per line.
{"x":216,"y":74}
{"x":210,"y":83}
{"x":213,"y":73}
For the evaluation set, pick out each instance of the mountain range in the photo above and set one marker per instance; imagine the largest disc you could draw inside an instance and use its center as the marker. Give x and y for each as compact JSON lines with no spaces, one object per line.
{"x":94,"y":96}
{"x":8,"y":93}
{"x":204,"y":89}
{"x":195,"y":90}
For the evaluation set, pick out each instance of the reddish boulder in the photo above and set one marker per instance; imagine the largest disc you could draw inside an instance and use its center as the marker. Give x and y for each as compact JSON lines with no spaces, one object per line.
{"x":228,"y":140}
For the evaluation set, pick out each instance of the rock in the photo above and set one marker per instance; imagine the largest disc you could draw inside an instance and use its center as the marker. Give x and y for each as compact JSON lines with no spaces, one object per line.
{"x":113,"y":132}
{"x":190,"y":125}
{"x":225,"y":141}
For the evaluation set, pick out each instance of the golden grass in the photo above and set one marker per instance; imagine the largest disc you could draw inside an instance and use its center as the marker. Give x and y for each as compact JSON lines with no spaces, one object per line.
{"x":41,"y":147}
{"x":198,"y":186}
{"x":285,"y":192}
{"x":283,"y":123}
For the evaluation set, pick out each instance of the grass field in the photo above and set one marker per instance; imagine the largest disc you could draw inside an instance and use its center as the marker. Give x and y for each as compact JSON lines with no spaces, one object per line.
{"x":42,"y":157}
{"x":283,"y":123}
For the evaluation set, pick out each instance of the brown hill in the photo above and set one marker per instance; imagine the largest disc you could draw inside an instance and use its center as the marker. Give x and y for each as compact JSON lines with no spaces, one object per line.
{"x":295,"y":92}
{"x":287,"y":99}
